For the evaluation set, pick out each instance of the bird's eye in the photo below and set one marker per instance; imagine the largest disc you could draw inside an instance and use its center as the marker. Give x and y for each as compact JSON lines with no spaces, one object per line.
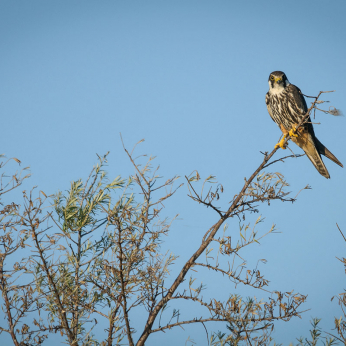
{"x":271,"y":77}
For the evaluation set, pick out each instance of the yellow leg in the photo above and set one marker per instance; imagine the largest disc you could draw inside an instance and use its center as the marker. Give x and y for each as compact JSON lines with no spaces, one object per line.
{"x":282,"y":143}
{"x":293,"y":132}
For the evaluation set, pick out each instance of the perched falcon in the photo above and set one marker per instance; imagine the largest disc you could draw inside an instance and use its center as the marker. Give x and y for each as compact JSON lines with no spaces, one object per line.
{"x":286,"y":106}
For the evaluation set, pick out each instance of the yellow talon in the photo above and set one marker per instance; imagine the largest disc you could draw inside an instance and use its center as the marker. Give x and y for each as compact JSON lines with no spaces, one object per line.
{"x":293,"y":132}
{"x":282,"y":143}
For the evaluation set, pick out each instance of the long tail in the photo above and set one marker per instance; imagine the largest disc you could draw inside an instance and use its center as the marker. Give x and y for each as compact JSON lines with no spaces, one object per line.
{"x":315,"y":157}
{"x":307,"y":142}
{"x":324,"y":151}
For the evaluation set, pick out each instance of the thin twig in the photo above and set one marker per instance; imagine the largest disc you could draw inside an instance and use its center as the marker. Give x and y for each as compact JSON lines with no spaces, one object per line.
{"x":282,"y":159}
{"x":341,"y":232}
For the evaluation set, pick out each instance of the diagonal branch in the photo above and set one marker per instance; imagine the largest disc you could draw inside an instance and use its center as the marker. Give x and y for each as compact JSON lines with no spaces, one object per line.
{"x":208,"y":237}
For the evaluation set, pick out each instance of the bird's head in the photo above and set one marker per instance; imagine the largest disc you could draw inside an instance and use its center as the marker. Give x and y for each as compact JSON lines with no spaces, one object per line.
{"x":277,"y":82}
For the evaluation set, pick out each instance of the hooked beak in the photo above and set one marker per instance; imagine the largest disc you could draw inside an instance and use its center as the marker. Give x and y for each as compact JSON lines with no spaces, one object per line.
{"x":278,"y":80}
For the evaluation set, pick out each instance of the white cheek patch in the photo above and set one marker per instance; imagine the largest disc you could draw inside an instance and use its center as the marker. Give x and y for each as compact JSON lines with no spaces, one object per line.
{"x":277,"y":89}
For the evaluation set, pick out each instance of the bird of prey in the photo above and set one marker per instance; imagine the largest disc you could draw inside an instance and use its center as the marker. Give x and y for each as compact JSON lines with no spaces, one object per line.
{"x":286,"y":106}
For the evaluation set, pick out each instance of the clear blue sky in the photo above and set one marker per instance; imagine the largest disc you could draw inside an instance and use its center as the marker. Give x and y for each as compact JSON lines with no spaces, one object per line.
{"x":190,"y":77}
